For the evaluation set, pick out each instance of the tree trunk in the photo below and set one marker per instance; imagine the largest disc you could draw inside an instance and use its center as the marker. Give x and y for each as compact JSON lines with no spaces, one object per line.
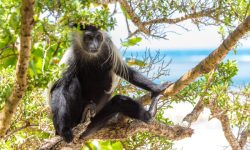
{"x":20,"y":84}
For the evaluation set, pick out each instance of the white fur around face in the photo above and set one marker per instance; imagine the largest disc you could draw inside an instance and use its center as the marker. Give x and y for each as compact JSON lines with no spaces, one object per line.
{"x":67,"y":57}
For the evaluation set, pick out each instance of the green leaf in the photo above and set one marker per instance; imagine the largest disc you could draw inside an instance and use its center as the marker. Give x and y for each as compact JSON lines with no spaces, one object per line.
{"x":131,"y":42}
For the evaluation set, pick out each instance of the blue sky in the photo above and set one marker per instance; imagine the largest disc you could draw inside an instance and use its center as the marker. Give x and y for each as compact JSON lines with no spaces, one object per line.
{"x":206,"y":38}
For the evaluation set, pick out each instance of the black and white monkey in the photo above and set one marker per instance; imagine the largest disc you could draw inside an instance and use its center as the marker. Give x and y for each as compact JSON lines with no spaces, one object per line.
{"x":88,"y":80}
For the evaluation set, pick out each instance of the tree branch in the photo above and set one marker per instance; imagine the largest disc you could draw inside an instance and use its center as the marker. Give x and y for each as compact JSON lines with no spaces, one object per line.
{"x":145,"y":27}
{"x":193,"y":116}
{"x":193,"y":15}
{"x":121,"y":131}
{"x":135,"y":19}
{"x":223,"y":118}
{"x":243,"y":137}
{"x":20,"y":84}
{"x":105,"y":2}
{"x":18,"y":129}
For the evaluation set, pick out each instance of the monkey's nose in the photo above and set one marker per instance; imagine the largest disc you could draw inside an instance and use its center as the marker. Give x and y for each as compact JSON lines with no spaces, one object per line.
{"x":93,"y":50}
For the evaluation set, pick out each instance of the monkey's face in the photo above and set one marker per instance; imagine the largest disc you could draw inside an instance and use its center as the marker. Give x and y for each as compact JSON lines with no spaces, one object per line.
{"x":92,"y":41}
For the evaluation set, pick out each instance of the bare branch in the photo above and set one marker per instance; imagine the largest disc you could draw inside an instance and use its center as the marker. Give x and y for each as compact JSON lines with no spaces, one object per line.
{"x":134,"y":33}
{"x":27,"y":125}
{"x":126,"y":20}
{"x":193,"y":15}
{"x":104,"y":2}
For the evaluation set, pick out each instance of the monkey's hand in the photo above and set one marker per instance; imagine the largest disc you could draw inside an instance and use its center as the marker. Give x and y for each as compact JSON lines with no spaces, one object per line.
{"x":155,"y":96}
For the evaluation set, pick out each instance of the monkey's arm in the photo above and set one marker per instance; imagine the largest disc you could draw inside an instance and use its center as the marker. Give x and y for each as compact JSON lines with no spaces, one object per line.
{"x":141,"y":81}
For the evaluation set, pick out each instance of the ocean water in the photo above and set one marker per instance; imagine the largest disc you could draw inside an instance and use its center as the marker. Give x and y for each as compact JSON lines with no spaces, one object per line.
{"x":184,"y":60}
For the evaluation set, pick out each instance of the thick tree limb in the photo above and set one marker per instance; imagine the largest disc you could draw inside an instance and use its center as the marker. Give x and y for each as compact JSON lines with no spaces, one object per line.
{"x":20,"y":84}
{"x":123,"y":131}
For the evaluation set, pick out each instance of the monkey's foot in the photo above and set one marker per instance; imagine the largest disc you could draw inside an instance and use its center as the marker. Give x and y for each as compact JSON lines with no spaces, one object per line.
{"x":67,"y":136}
{"x":153,"y":107}
{"x":146,"y":117}
{"x":89,"y":112}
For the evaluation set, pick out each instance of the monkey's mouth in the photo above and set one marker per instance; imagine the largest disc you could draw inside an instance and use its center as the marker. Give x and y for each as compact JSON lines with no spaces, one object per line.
{"x":93,"y":50}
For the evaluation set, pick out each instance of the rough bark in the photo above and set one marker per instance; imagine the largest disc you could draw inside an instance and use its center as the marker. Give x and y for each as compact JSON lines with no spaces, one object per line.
{"x":121,"y":132}
{"x":20,"y":84}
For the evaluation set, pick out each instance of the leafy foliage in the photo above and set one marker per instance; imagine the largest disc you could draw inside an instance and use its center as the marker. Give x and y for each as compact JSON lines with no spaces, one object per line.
{"x":6,"y":82}
{"x":231,"y":100}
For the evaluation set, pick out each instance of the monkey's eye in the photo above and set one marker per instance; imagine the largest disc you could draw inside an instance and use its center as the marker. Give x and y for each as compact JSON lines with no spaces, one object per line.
{"x":99,"y":37}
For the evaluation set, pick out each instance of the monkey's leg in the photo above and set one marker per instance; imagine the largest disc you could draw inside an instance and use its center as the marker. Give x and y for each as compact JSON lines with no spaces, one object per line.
{"x":121,"y":104}
{"x":62,"y":121}
{"x":67,"y":106}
